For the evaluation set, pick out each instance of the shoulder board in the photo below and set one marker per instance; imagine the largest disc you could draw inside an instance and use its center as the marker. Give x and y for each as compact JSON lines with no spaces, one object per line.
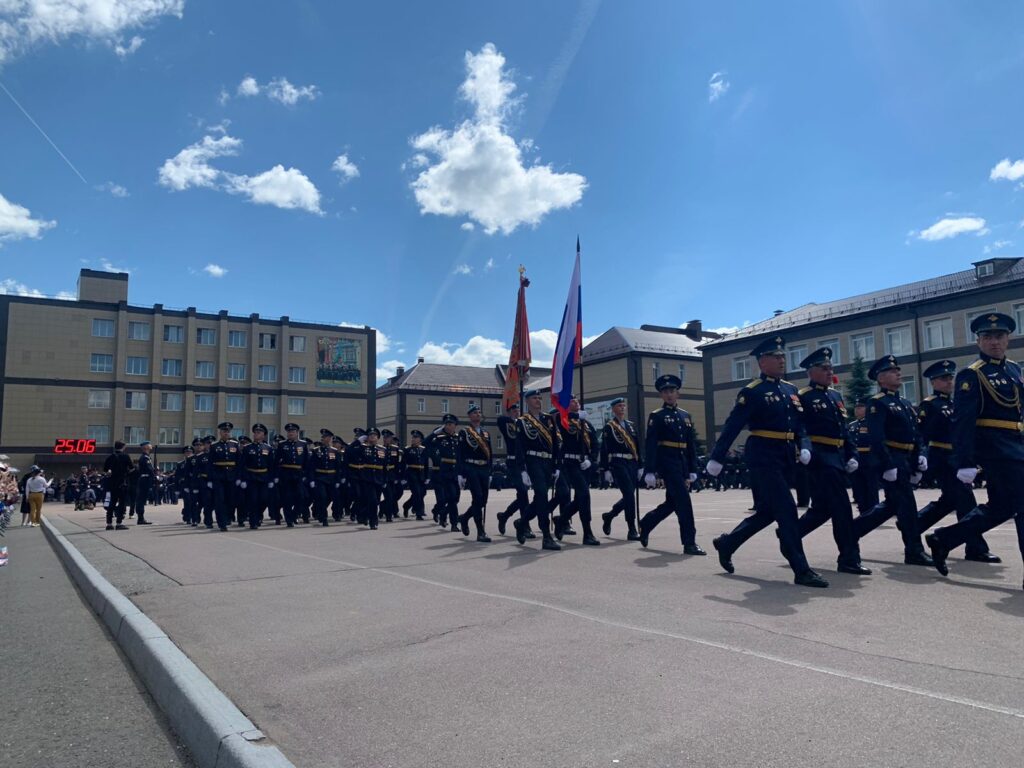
{"x":928,"y":399}
{"x":752,"y":384}
{"x":976,"y":365}
{"x":878,"y":396}
{"x":783,"y":381}
{"x":805,"y":390}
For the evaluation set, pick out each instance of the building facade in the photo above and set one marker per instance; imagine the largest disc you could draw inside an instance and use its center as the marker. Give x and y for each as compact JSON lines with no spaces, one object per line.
{"x":99,"y":369}
{"x":920,"y":323}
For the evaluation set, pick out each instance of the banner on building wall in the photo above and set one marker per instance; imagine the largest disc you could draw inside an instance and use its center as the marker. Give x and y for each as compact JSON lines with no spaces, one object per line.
{"x":339,"y":362}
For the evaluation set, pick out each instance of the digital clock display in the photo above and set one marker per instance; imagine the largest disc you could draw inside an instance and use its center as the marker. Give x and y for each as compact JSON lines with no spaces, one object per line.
{"x":65,"y":445}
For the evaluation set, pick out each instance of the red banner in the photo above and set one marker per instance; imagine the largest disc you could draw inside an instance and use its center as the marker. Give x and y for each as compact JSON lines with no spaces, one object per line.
{"x":520,"y":357}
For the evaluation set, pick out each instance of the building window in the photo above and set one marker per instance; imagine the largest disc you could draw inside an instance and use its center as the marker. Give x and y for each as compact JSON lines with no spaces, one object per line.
{"x":682,"y":374}
{"x":832,"y":344}
{"x":897,"y":341}
{"x":908,"y":389}
{"x":136,"y":401}
{"x":201,"y":432}
{"x":794,"y":356}
{"x":938,"y":334}
{"x":268,"y":341}
{"x":101,"y":363}
{"x":237,"y":339}
{"x":655,"y":371}
{"x":268,"y":373}
{"x":170,"y":401}
{"x":103,"y":328}
{"x":136,"y":366}
{"x":138,"y":330}
{"x":174,"y":334}
{"x":206,"y":336}
{"x":500,"y":442}
{"x":236,"y":371}
{"x":170,"y":367}
{"x":444,"y":406}
{"x":497,"y":407}
{"x":235,"y":404}
{"x":1018,"y":315}
{"x":237,"y":432}
{"x":134,"y":435}
{"x":296,"y":375}
{"x":167,"y":467}
{"x":970,"y":319}
{"x":169,"y":436}
{"x":421,"y":405}
{"x":204,"y":369}
{"x":296,"y":406}
{"x":297,"y":343}
{"x":740,"y":368}
{"x":204,"y":403}
{"x":98,"y":432}
{"x":862,"y":345}
{"x":986,"y":270}
{"x":266,"y":405}
{"x":99,"y":398}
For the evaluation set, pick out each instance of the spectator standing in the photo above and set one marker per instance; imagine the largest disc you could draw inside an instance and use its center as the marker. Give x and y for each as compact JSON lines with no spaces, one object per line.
{"x":36,"y":486}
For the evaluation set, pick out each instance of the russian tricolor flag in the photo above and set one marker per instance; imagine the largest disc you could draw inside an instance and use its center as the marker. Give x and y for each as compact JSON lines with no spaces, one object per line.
{"x":569,"y":346}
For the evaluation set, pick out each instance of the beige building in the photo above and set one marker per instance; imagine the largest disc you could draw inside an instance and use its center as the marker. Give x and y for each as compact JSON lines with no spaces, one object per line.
{"x":920,"y":323}
{"x":99,"y":369}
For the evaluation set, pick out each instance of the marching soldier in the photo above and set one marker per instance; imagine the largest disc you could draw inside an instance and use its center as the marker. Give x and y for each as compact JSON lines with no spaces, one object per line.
{"x":864,"y":480}
{"x":144,"y":482}
{"x":257,"y":465}
{"x":223,"y":472}
{"x":895,"y":443}
{"x":354,"y":470}
{"x":579,"y":452}
{"x":183,"y":481}
{"x":670,"y":451}
{"x":238,"y":511}
{"x":510,"y":433}
{"x":117,"y":467}
{"x":392,"y":475}
{"x":474,"y":471}
{"x":770,"y":407}
{"x":371,"y":477}
{"x":537,"y":452}
{"x":935,"y":423}
{"x":339,"y":499}
{"x":274,"y":486}
{"x":414,"y":459}
{"x":205,"y":486}
{"x":195,"y":484}
{"x":443,"y":446}
{"x":987,"y":431}
{"x":290,"y":473}
{"x":620,"y":461}
{"x":323,"y":474}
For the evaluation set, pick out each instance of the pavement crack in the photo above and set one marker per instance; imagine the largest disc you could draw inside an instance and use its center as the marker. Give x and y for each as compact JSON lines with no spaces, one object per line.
{"x":436,"y":635}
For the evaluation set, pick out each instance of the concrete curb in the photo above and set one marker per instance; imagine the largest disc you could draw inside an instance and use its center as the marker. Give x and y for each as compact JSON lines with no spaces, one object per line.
{"x":217,"y":734}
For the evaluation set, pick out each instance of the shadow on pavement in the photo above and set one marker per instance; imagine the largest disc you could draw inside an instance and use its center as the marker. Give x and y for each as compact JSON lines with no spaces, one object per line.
{"x":780,"y":598}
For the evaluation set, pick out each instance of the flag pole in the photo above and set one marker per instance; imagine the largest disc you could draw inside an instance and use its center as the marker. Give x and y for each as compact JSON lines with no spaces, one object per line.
{"x":580,"y":362}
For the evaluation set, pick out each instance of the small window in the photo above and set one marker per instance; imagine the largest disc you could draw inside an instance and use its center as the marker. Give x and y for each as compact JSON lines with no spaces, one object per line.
{"x":682,"y":375}
{"x":740,"y":368}
{"x":862,"y":345}
{"x":98,"y":432}
{"x":268,"y":341}
{"x":444,"y":406}
{"x":204,"y":369}
{"x":174,"y":334}
{"x":970,"y":318}
{"x":1018,"y":315}
{"x":236,"y":371}
{"x":136,"y":401}
{"x":897,"y":341}
{"x":296,"y":406}
{"x":268,"y":373}
{"x":170,"y":367}
{"x":421,"y":405}
{"x":99,"y":398}
{"x":237,"y":339}
{"x":206,"y":336}
{"x":296,"y":375}
{"x":497,"y":407}
{"x":204,"y":403}
{"x":833,"y":344}
{"x":297,"y":343}
{"x":103,"y":328}
{"x":655,"y":371}
{"x":134,"y":435}
{"x":169,"y":435}
{"x":136,"y":366}
{"x":168,"y":466}
{"x":138,"y":330}
{"x":266,"y":405}
{"x":938,"y":334}
{"x":500,"y":442}
{"x":201,"y":432}
{"x":170,"y":401}
{"x":101,"y":363}
{"x":794,"y":356}
{"x":235,"y":404}
{"x":908,"y":389}
{"x":986,"y":270}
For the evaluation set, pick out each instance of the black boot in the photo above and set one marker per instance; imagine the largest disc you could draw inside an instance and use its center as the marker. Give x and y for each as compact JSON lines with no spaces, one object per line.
{"x":606,"y":523}
{"x":724,"y":555}
{"x":559,"y":527}
{"x":464,"y":524}
{"x":939,"y":553}
{"x":502,"y":521}
{"x":810,"y":578}
{"x":520,"y":531}
{"x":550,"y":543}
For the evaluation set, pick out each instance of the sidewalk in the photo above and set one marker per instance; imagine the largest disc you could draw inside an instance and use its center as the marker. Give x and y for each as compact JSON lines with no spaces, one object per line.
{"x":68,"y":696}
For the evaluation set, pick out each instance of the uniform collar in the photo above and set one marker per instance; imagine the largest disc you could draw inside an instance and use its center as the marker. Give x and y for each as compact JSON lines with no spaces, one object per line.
{"x":670,"y":407}
{"x":766,"y":377}
{"x":821,"y":387}
{"x":992,"y":360}
{"x":893,"y":392}
{"x":941,"y":395}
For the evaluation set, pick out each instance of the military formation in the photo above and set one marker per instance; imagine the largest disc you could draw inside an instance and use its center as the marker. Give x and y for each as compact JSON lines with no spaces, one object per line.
{"x":971,"y":421}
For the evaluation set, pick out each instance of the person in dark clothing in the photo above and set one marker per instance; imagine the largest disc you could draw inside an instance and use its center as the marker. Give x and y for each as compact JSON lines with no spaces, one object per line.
{"x":117,"y":468}
{"x":144,"y":482}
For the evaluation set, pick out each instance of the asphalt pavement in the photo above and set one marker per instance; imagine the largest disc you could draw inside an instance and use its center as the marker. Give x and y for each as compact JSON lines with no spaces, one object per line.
{"x":414,"y":646}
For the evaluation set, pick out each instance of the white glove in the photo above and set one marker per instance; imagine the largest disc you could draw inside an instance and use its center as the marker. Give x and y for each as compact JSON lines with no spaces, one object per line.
{"x":238,"y":482}
{"x":922,"y":463}
{"x":583,"y":414}
{"x":640,"y":474}
{"x":242,"y":484}
{"x":916,"y":478}
{"x":209,"y":484}
{"x":852,"y":466}
{"x":270,"y":484}
{"x":426,"y":483}
{"x":526,"y":479}
{"x":362,"y":438}
{"x":692,"y":477}
{"x":967,"y":475}
{"x":805,"y":456}
{"x":608,"y":476}
{"x":439,"y":430}
{"x":462,"y":483}
{"x":714,"y":468}
{"x":312,"y":483}
{"x":337,"y":485}
{"x":585,"y":465}
{"x":889,"y":475}
{"x":405,"y":482}
{"x":649,"y":480}
{"x":557,"y":472}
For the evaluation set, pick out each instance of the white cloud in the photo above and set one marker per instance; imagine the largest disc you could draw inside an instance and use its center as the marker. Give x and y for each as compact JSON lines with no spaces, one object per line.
{"x":463,"y":269}
{"x":191,"y":168}
{"x":384,"y":342}
{"x":107,"y":266}
{"x":467,"y":226}
{"x":16,"y":222}
{"x":1004,"y":169}
{"x":127,"y":50}
{"x":479,"y":350}
{"x":717,"y":86}
{"x":388,"y":369}
{"x":248,"y":87}
{"x":223,"y":97}
{"x":215,"y":270}
{"x":489,"y":265}
{"x":345,"y":167}
{"x":478,"y":169}
{"x":998,"y":245}
{"x":114,"y":189}
{"x":951,"y":227}
{"x":11,"y":287}
{"x":284,"y":188}
{"x":278,"y":89}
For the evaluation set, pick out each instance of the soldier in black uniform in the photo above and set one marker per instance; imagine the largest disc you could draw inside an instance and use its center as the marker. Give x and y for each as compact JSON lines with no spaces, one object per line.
{"x":987,"y":418}
{"x":474,"y":471}
{"x":510,"y":433}
{"x":144,"y":482}
{"x":896,"y":444}
{"x":183,"y":482}
{"x":197,"y":480}
{"x":353,"y":471}
{"x":833,"y":457}
{"x":620,"y":461}
{"x":117,"y":467}
{"x":864,"y":480}
{"x":290,"y":473}
{"x":935,"y":423}
{"x":238,"y":511}
{"x":256,"y":475}
{"x":414,"y":459}
{"x":393,"y":473}
{"x":770,"y":407}
{"x":323,"y":474}
{"x":339,"y":499}
{"x":670,"y":452}
{"x":371,"y":477}
{"x":274,"y":486}
{"x":538,"y":451}
{"x":223,"y":472}
{"x":579,"y":452}
{"x":443,"y":448}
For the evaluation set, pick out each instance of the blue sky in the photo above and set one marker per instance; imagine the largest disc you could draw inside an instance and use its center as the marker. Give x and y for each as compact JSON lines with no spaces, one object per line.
{"x":393,"y":163}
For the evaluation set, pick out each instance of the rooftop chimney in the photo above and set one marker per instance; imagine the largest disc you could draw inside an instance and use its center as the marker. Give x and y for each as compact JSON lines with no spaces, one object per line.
{"x":419,"y":360}
{"x":778,"y":312}
{"x":399,"y":371}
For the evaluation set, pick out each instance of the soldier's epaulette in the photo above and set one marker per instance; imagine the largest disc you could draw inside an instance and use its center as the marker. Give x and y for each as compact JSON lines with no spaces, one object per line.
{"x":805,"y":390}
{"x":783,"y":381}
{"x":928,"y":399}
{"x":753,"y":383}
{"x":976,"y":365}
{"x":878,"y":395}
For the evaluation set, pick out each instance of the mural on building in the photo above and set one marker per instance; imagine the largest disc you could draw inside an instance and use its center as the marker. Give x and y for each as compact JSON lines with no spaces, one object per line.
{"x":338,"y":362}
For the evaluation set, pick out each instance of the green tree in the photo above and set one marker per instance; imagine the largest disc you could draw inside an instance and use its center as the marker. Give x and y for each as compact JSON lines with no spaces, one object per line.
{"x":858,"y":386}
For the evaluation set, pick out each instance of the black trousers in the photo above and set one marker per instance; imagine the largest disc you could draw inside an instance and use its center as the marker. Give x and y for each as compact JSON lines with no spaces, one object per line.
{"x":142,"y":490}
{"x":576,"y":479}
{"x":292,"y":491}
{"x":371,"y":501}
{"x":541,"y":472}
{"x":186,"y":505}
{"x":355,"y":485}
{"x":206,"y":500}
{"x":274,"y":501}
{"x":865,"y":485}
{"x":446,"y":489}
{"x":118,"y":500}
{"x":624,"y":474}
{"x":478,"y":487}
{"x":522,"y":500}
{"x":339,"y":499}
{"x":956,"y":497}
{"x":417,"y":492}
{"x":256,"y":497}
{"x":677,"y":499}
{"x":223,"y":501}
{"x":389,"y":504}
{"x":321,"y":498}
{"x":899,"y":502}
{"x":774,"y":504}
{"x":830,"y":501}
{"x":1005,"y":484}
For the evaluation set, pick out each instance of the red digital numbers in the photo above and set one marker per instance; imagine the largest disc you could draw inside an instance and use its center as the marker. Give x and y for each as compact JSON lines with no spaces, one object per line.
{"x":65,"y":445}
